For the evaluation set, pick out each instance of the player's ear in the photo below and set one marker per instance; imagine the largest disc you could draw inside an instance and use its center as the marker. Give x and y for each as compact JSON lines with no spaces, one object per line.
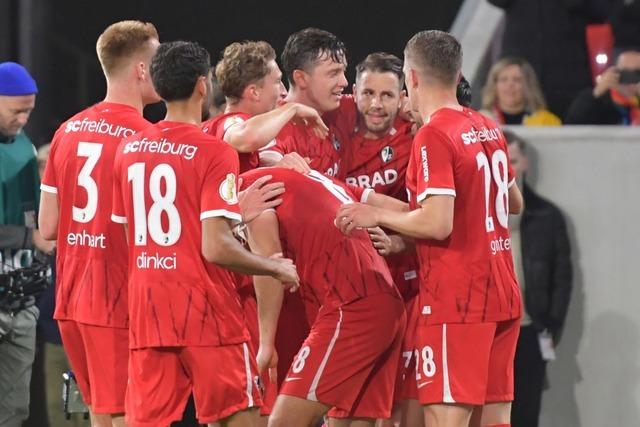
{"x":300,"y":78}
{"x":402,"y":98}
{"x":141,"y":71}
{"x":414,"y":78}
{"x":201,"y":86}
{"x":252,"y":92}
{"x":353,"y":89}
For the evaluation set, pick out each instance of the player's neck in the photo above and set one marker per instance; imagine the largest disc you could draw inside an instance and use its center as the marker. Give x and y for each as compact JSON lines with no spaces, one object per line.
{"x":185,"y":111}
{"x":433,"y":99}
{"x":240,"y":106}
{"x":121,"y":93}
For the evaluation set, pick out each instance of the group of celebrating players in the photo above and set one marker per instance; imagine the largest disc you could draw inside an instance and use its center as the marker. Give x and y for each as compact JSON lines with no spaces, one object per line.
{"x":369,"y":223}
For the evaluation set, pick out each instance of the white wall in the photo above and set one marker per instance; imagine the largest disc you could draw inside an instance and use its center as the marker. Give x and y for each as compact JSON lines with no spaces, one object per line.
{"x":593,"y":175}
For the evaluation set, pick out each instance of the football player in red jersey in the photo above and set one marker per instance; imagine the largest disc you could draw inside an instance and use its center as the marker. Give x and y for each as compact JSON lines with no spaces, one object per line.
{"x":252,"y":84}
{"x":91,"y":300}
{"x":314,"y":63}
{"x":176,"y":189}
{"x":348,"y":363}
{"x":376,"y":156}
{"x":461,"y":192}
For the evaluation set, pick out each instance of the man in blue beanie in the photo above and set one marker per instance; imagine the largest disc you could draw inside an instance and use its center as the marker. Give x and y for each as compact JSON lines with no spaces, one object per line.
{"x":19,"y":236}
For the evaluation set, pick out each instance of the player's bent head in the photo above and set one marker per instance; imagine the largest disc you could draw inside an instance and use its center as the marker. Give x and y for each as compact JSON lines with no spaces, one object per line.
{"x":381,"y":62}
{"x":242,"y":64}
{"x":307,"y":47}
{"x":124,"y":42}
{"x":436,"y":56}
{"x":177,"y":67}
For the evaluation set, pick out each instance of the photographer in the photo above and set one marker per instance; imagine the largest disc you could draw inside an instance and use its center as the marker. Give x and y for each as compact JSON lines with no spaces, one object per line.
{"x":18,"y":238}
{"x":616,"y":97}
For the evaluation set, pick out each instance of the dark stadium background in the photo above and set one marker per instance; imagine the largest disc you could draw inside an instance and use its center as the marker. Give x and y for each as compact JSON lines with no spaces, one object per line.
{"x":56,"y":39}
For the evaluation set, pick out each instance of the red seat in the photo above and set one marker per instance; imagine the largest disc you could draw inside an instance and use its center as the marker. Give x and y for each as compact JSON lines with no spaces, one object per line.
{"x":600,"y":48}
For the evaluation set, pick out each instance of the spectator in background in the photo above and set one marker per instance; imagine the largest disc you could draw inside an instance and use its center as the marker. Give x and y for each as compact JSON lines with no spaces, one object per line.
{"x":512,"y":95}
{"x":616,"y":97}
{"x":542,"y":262}
{"x":550,"y":35}
{"x":18,"y":238}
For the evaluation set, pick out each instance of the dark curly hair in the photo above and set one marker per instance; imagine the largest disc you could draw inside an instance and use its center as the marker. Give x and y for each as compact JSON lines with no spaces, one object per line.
{"x":176,"y":68}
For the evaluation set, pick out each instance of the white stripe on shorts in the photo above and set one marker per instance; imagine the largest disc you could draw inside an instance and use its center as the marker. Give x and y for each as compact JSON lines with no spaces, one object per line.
{"x":446,"y":392}
{"x":247,"y":366}
{"x":314,"y":385}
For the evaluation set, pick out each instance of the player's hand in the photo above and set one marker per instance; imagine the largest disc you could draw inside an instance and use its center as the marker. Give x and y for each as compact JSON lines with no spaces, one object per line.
{"x":355,"y":215}
{"x":267,"y":358}
{"x":47,"y":247}
{"x":295,"y":162}
{"x":386,"y":244}
{"x":286,"y":272}
{"x":258,"y":197}
{"x":310,"y":117}
{"x":606,"y":81}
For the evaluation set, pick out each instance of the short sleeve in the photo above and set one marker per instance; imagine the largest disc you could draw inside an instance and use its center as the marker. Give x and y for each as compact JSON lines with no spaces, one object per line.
{"x":282,"y":144}
{"x":361,"y":193}
{"x":118,"y":213}
{"x":433,"y":159}
{"x":49,"y":183}
{"x":219,"y":196}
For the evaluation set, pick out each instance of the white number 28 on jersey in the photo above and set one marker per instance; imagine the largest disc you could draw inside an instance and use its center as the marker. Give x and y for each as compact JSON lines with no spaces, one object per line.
{"x":151,"y":222}
{"x":498,"y":170}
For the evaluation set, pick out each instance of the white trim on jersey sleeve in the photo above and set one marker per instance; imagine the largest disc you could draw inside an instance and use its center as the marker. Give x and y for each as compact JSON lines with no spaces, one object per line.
{"x":221,"y":212}
{"x":436,"y":192}
{"x":365,"y":194}
{"x":118,"y":219}
{"x":49,"y":189}
{"x":513,"y":181}
{"x":269,"y":153}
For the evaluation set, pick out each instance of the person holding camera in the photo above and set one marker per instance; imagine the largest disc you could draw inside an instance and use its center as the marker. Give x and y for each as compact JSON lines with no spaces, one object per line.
{"x":616,"y":97}
{"x":18,"y":238}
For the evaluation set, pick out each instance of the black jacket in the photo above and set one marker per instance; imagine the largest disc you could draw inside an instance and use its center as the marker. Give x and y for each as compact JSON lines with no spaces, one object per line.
{"x":546,"y":262}
{"x":586,"y":109}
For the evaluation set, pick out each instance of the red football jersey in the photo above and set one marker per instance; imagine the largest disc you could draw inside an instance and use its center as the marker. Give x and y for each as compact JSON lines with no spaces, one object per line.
{"x":91,"y":258}
{"x":381,"y":164}
{"x":469,"y":276}
{"x":218,"y":127}
{"x":324,"y":153}
{"x":334,"y":269}
{"x":167,"y":179}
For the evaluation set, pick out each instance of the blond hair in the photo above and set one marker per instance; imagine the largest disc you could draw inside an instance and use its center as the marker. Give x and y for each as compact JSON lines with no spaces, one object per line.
{"x":243,"y":64}
{"x":533,"y":97}
{"x":121,"y":40}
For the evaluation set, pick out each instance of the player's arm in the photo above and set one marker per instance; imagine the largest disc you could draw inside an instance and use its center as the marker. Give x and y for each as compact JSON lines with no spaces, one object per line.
{"x":432,"y":220}
{"x":48,"y":215}
{"x":259,"y":130}
{"x":264,"y":240}
{"x":221,"y":247}
{"x":386,"y":202}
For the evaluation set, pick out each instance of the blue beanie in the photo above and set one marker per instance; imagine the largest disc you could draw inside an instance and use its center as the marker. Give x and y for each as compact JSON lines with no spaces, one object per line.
{"x":15,"y":80}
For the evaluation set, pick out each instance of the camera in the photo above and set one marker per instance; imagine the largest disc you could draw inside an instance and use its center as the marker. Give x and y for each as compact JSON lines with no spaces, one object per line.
{"x":629,"y":77}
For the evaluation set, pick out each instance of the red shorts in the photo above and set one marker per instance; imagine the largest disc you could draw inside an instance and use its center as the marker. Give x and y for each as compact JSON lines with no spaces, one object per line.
{"x":470,"y":363}
{"x":349,"y":360}
{"x":222,"y":380}
{"x":98,"y":356}
{"x":406,"y":387}
{"x":268,"y":389}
